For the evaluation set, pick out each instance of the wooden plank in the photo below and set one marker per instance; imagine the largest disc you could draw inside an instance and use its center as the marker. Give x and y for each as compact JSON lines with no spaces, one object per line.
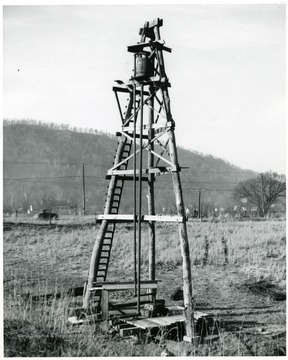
{"x":163,"y":218}
{"x":145,"y":218}
{"x":158,"y":126}
{"x":114,"y":286}
{"x":119,"y":133}
{"x":168,"y":320}
{"x":157,"y":170}
{"x":157,"y":322}
{"x":105,"y":305}
{"x":143,"y":323}
{"x":158,"y":44}
{"x":127,"y":178}
{"x":155,"y":22}
{"x":128,"y":286}
{"x":118,"y":217}
{"x":130,"y":304}
{"x":199,"y":314}
{"x":128,"y":89}
{"x":175,"y":308}
{"x":156,"y":80}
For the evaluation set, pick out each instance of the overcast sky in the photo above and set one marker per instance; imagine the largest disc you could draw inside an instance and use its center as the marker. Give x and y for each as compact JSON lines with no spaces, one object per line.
{"x":227,"y":70}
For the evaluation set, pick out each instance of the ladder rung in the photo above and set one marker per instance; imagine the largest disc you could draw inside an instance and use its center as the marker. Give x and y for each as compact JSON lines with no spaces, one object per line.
{"x":109,"y":236}
{"x":108,"y":254}
{"x":103,"y":267}
{"x":101,"y":273}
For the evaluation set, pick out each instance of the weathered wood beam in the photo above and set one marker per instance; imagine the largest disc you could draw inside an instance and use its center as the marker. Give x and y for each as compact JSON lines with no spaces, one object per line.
{"x":128,"y":89}
{"x":158,"y":44}
{"x":163,"y":126}
{"x":158,"y":170}
{"x":119,"y":133}
{"x":126,"y":285}
{"x":157,"y":80}
{"x":183,"y":235}
{"x":164,"y":218}
{"x":145,"y":218}
{"x":96,"y":252}
{"x":127,"y":178}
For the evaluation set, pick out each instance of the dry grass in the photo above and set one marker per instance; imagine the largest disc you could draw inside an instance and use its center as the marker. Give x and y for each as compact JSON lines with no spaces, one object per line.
{"x":53,"y":258}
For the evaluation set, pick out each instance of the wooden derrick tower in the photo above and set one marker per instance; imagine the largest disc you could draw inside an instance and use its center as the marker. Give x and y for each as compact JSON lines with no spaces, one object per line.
{"x":147,"y":126}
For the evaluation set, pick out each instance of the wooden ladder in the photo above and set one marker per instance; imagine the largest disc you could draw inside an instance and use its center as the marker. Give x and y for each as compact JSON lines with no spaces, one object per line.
{"x":112,"y":205}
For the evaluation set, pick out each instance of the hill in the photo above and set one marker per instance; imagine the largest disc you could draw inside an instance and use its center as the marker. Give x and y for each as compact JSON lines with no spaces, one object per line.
{"x":44,"y":163}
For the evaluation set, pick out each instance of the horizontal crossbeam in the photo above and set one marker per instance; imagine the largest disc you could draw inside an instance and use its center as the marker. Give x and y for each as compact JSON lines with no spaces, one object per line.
{"x":128,"y":89}
{"x":152,"y":44}
{"x":168,"y":124}
{"x":144,"y":218}
{"x":127,"y":178}
{"x":127,"y":285}
{"x":155,"y":80}
{"x":157,"y":170}
{"x":137,"y":136}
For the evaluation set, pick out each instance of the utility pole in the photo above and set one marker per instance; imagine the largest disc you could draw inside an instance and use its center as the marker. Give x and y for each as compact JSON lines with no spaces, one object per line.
{"x":199,"y":204}
{"x":262,"y":193}
{"x":83,"y":187}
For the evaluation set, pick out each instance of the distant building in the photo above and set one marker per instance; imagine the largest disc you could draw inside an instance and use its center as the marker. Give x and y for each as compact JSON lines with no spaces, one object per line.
{"x":61,"y":207}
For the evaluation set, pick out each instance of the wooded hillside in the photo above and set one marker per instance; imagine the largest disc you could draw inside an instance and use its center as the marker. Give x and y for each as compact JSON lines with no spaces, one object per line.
{"x":43,"y":163}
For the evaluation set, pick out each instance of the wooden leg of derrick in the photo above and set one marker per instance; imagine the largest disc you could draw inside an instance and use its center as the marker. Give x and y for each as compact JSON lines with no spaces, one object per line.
{"x":94,"y":263}
{"x":184,"y":244}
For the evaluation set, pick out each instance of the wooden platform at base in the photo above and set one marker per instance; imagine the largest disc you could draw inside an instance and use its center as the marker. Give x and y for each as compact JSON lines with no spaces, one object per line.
{"x":176,"y":316}
{"x":156,"y":322}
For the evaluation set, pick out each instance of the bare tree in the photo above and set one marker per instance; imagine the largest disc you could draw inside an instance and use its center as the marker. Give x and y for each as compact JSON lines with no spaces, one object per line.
{"x":15,"y":202}
{"x":262,"y":191}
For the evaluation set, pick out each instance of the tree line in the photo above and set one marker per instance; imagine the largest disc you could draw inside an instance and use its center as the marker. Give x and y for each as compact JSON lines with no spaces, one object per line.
{"x":258,"y":196}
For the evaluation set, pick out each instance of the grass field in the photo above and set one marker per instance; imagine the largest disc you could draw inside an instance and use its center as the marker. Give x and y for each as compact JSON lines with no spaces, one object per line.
{"x":238,"y":269}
